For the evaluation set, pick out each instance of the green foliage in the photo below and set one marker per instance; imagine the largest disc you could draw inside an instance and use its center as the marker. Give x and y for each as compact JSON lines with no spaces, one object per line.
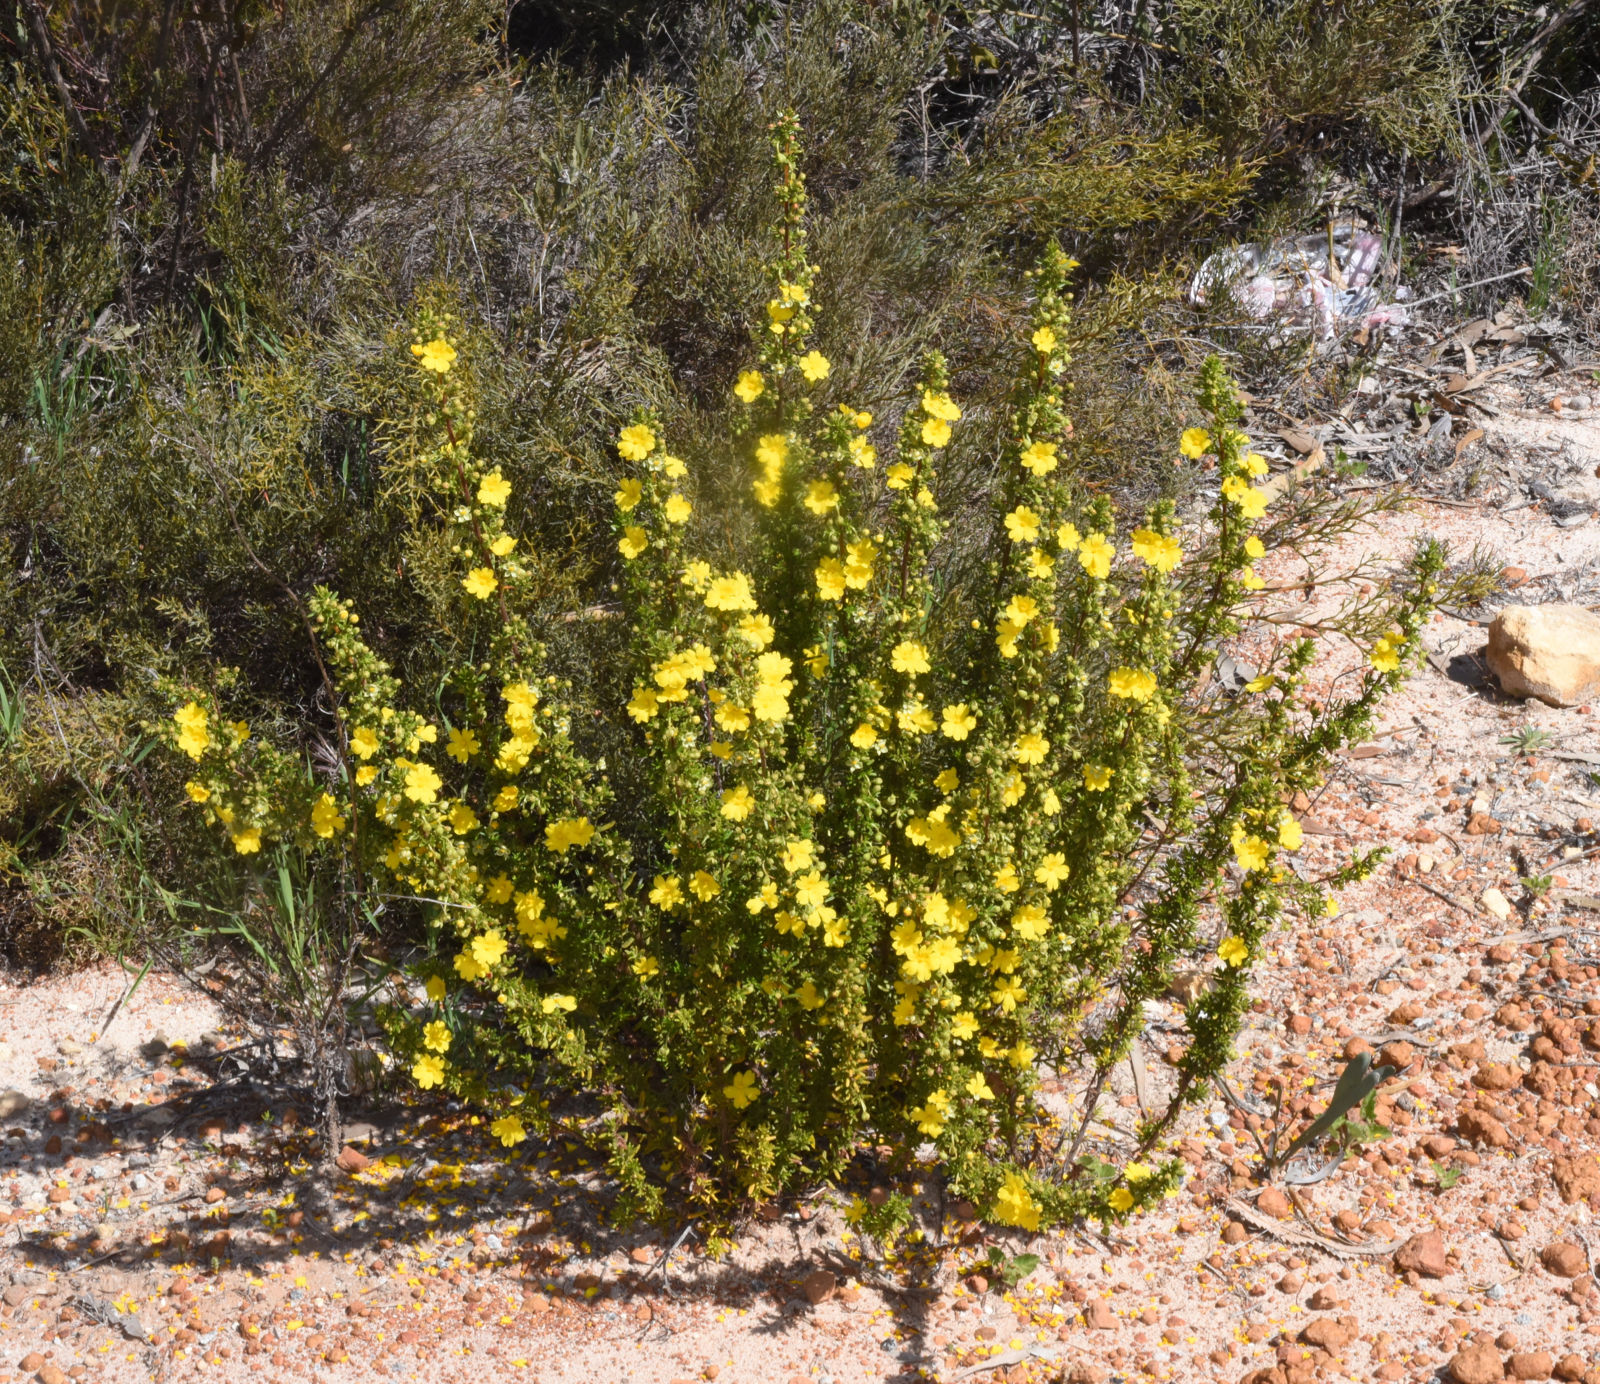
{"x":825,"y":848}
{"x":1006,"y":1271}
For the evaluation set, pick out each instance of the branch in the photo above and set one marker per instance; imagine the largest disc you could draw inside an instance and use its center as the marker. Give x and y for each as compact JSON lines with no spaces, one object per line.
{"x":47,"y":60}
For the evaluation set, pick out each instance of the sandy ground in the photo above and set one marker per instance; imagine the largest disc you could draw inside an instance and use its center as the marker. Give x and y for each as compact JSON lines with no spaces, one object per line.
{"x":162,"y":1221}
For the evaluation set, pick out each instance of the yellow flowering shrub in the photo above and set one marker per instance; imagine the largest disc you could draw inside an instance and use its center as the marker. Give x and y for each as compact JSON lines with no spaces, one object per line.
{"x":873,"y":852}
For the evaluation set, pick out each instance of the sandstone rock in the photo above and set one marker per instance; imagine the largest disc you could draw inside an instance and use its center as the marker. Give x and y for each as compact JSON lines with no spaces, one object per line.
{"x":12,"y":1102}
{"x":1571,"y":1367}
{"x":1424,"y":1254}
{"x":1398,"y":1055}
{"x":1551,"y":652}
{"x":1496,"y":903}
{"x":978,"y":1283}
{"x":1482,"y":1128}
{"x":1333,"y":1334}
{"x":30,"y":1362}
{"x":1495,"y":1076}
{"x":1576,"y":1179}
{"x":1476,"y":1365}
{"x":1531,"y":1364}
{"x":51,"y":1373}
{"x":1273,"y":1203}
{"x":1098,"y":1315}
{"x":1564,"y":1259}
{"x":818,"y":1286}
{"x":352,"y":1160}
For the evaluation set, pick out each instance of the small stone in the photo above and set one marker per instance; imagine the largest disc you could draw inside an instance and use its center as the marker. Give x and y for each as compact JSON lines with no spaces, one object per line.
{"x":1299,"y":1025}
{"x":1398,"y":1055}
{"x":1333,"y":1334}
{"x":1531,"y":1364}
{"x":1234,"y":1233}
{"x":1495,"y":1076}
{"x":818,"y":1286}
{"x":1355,"y":1047}
{"x":1476,"y":1365}
{"x":642,"y":1254}
{"x":70,"y":1047}
{"x":1571,"y":1367}
{"x":537,"y":1303}
{"x":1551,"y":652}
{"x":1482,"y":1128}
{"x":1496,"y":903}
{"x":352,"y":1160}
{"x":1273,"y":1203}
{"x":1482,"y":824}
{"x":1564,"y":1259}
{"x":12,"y":1102}
{"x":978,"y":1283}
{"x":1407,"y":1013}
{"x":1099,"y":1316}
{"x":1424,"y":1254}
{"x":51,"y":1373}
{"x":1326,"y":1300}
{"x":30,"y":1362}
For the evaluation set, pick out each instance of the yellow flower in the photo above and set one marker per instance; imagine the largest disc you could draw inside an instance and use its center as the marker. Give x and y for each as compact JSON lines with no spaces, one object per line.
{"x":814,"y":366}
{"x":831,"y":581}
{"x":1095,"y":554}
{"x":646,"y":967}
{"x":863,"y":453}
{"x":1067,"y":538}
{"x":1159,"y":551}
{"x":1256,"y":464}
{"x":821,"y":497}
{"x":558,"y":836}
{"x":808,"y":996}
{"x":633,"y":542}
{"x":500,"y":890}
{"x":428,"y":1072}
{"x":1250,"y":851}
{"x":666,"y":892}
{"x":551,"y":1003}
{"x":1021,"y":1054}
{"x":704,"y":887}
{"x":731,"y":592}
{"x":1121,"y":1199}
{"x":947,"y":781}
{"x":964,"y":1025}
{"x":247,"y":841}
{"x":1249,"y":580}
{"x":462,"y":819}
{"x":1030,"y":749}
{"x":422,"y":784}
{"x":770,"y":702}
{"x":1007,"y":993}
{"x":864,"y":736}
{"x":935,"y":432}
{"x":1291,"y":835}
{"x":930,"y":1117}
{"x":898,"y":476}
{"x":325,"y":818}
{"x":463,"y":744}
{"x":756,"y":630}
{"x":364,"y":743}
{"x":939,"y":404}
{"x":627,"y":496}
{"x":750,"y":386}
{"x":635,"y":443}
{"x":1132,"y":684}
{"x":643,"y":704}
{"x":958,"y":721}
{"x":365,"y":774}
{"x":193,"y":737}
{"x":1020,"y":610}
{"x":494,"y":490}
{"x":1251,"y":500}
{"x":677,"y":509}
{"x":916,"y":718}
{"x":1233,"y":951}
{"x":1022,"y":524}
{"x":1014,"y":1203}
{"x":1254,"y":547}
{"x":1096,"y":777}
{"x":1039,"y":458}
{"x":978,"y":1087}
{"x":437,"y":356}
{"x":198,"y":792}
{"x":1052,"y":870}
{"x":435,"y":988}
{"x":1044,"y":341}
{"x":737,"y":803}
{"x":436,"y":1036}
{"x":508,"y":1130}
{"x":1194,"y":443}
{"x":909,"y":657}
{"x":742,"y":1090}
{"x":488,"y":948}
{"x":1385,"y":655}
{"x":1030,"y":922}
{"x":797,"y":855}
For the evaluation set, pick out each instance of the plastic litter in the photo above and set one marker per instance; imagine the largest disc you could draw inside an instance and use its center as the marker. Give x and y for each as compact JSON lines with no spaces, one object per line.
{"x":1322,"y":282}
